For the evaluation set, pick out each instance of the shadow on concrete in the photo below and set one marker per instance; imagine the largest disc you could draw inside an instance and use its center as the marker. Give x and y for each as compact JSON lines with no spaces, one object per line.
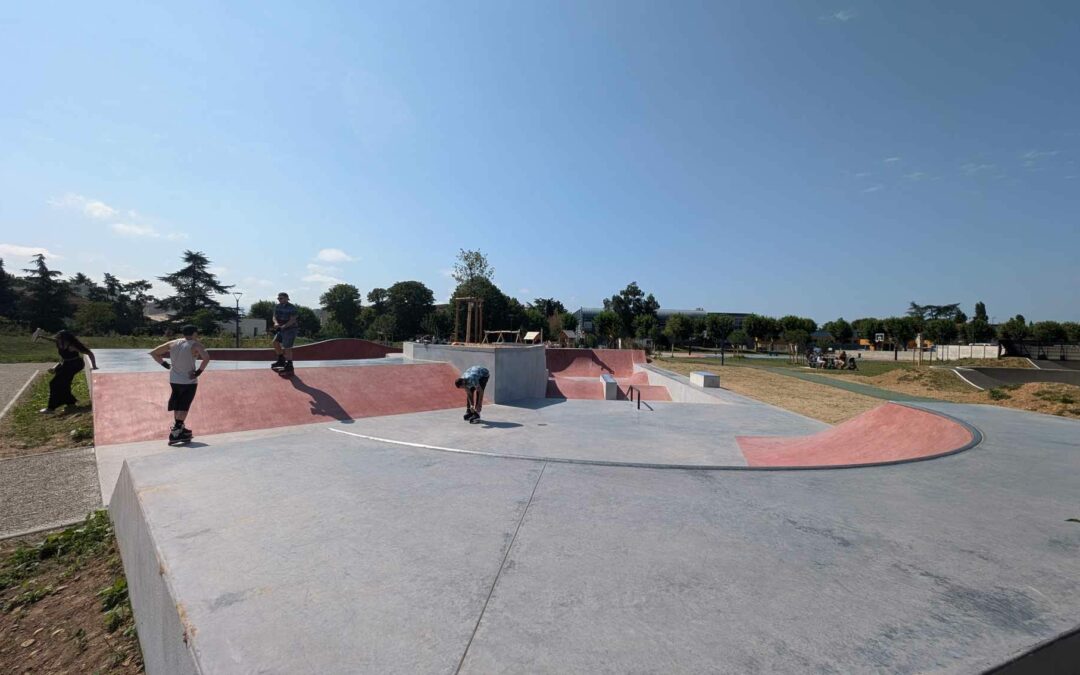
{"x":322,"y":404}
{"x":535,"y":403}
{"x":498,"y":425}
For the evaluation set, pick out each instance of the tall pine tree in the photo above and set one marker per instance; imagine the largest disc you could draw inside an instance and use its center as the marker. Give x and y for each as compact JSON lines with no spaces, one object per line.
{"x":47,"y":304}
{"x":195,"y":286}
{"x":7,"y":293}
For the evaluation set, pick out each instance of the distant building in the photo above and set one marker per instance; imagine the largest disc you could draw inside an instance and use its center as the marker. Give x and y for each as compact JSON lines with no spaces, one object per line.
{"x":248,"y":327}
{"x":585,"y":316}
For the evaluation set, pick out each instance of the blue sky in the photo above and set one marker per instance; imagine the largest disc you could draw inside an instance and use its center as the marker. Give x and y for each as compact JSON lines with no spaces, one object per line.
{"x":816,"y":158}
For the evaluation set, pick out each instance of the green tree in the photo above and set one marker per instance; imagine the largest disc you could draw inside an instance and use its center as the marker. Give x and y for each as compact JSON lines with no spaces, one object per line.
{"x":332,"y":329}
{"x":535,"y":319}
{"x":438,"y":323}
{"x":496,"y":310}
{"x":128,"y":301}
{"x":760,"y":328}
{"x":900,"y":329}
{"x":383,"y":328}
{"x":719,"y":327}
{"x":678,"y":329}
{"x":569,"y":321}
{"x":342,"y":303}
{"x":409,"y":302}
{"x":840,"y":330}
{"x":647,"y":327}
{"x":629,"y":303}
{"x":797,"y":336}
{"x":7,"y":293}
{"x":548,"y":306}
{"x":940,"y":331}
{"x":377,"y":299}
{"x":867,"y":328}
{"x":95,"y":318}
{"x":194,"y":285}
{"x":1072,"y":332}
{"x":791,"y":322}
{"x":307,"y":322}
{"x":206,"y":320}
{"x":263,"y":309}
{"x":1015,"y":328}
{"x":472,"y":265}
{"x":1048,"y":332}
{"x":608,"y":326}
{"x":739,"y":339}
{"x":46,"y":301}
{"x":82,"y":285}
{"x":978,"y":330}
{"x":980,"y":312}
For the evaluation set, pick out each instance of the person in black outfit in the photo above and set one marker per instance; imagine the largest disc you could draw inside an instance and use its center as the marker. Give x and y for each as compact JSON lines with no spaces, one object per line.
{"x":71,"y":351}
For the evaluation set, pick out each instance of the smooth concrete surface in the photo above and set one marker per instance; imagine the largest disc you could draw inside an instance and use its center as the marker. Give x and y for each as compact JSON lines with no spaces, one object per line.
{"x":336,"y":349}
{"x":324,"y":553}
{"x":611,"y":387}
{"x":517,"y":371}
{"x":704,"y":379}
{"x":595,"y":431}
{"x":683,"y":391}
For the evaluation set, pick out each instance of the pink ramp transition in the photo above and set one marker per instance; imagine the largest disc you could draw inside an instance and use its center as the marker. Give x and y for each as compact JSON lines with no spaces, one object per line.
{"x":575,"y":374}
{"x":888,"y":433}
{"x":131,"y":406}
{"x":327,"y":350}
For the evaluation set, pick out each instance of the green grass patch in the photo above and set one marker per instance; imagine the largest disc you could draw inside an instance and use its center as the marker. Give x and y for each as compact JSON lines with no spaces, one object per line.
{"x":1052,"y":396}
{"x":998,"y":395}
{"x":25,"y":428}
{"x":70,"y":547}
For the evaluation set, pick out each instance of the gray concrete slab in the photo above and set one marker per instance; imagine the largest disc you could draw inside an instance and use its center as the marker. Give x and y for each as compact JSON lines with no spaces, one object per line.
{"x":138,"y":361}
{"x":595,"y":431}
{"x":14,"y":379}
{"x":289,"y":558}
{"x":317,"y":552}
{"x":47,"y":490}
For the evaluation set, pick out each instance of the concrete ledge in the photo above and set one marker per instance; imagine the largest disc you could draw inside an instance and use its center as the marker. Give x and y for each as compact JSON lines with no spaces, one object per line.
{"x":611,"y":387}
{"x":703,"y":378}
{"x":159,"y":619}
{"x":517,"y":372}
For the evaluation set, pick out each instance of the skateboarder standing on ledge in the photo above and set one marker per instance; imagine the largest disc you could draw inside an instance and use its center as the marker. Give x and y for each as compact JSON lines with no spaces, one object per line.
{"x":286,"y":326}
{"x":473,"y":381}
{"x":183,"y":377}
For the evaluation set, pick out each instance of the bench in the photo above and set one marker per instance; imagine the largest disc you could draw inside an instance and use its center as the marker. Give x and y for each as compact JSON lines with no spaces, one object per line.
{"x":705,"y":379}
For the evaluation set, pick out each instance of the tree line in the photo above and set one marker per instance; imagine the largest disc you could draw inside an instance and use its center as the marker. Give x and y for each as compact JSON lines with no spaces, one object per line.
{"x":407,"y":309}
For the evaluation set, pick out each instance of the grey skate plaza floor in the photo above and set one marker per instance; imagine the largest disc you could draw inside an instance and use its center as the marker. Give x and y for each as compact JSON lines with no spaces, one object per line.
{"x":312,"y":551}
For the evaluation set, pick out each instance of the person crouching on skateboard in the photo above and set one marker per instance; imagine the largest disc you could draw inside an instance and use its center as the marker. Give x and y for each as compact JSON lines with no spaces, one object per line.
{"x":183,"y":377}
{"x":473,"y":381}
{"x":286,"y":326}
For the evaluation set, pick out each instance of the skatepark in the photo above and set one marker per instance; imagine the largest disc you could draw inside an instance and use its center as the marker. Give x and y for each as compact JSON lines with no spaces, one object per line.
{"x":605,"y":516}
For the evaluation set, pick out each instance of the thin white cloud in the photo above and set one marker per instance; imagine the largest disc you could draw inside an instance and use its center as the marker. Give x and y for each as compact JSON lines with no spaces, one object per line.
{"x":91,"y":208}
{"x":874,"y":188}
{"x":524,"y":291}
{"x":863,"y":174}
{"x":257,"y":282}
{"x":843,"y":16}
{"x":9,"y":251}
{"x":1071,"y":177}
{"x":315,"y":268}
{"x":915,"y":175}
{"x":1036,"y":154}
{"x":333,"y":255}
{"x":133,"y":230}
{"x":324,"y":279}
{"x":890,"y":160}
{"x":972,"y":168}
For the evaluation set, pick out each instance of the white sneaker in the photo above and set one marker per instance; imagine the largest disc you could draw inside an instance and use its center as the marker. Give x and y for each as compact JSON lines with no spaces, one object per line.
{"x":46,"y":411}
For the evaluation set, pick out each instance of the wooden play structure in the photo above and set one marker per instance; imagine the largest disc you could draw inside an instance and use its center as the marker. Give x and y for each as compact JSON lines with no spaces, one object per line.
{"x":474,"y":320}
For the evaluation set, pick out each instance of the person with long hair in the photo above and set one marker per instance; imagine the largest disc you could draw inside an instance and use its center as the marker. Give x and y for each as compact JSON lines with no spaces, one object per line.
{"x":71,"y":350}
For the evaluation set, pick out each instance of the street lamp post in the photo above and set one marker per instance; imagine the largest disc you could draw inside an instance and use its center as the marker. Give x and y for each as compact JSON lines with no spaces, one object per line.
{"x":237,"y":295}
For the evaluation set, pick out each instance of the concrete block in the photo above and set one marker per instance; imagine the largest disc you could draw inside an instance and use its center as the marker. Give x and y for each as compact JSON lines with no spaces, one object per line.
{"x":517,"y":371}
{"x":703,"y":378}
{"x":611,"y":387}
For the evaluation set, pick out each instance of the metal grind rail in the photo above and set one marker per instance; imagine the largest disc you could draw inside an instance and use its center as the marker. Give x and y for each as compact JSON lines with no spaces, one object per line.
{"x":630,"y":391}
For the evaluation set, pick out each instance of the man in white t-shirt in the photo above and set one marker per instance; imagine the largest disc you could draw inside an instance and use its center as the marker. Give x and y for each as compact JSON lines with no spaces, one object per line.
{"x":183,"y":376}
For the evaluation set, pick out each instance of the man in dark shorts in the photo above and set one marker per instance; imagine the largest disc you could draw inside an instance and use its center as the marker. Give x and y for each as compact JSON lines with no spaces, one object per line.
{"x":286,"y":326}
{"x":183,"y":376}
{"x":473,"y":381}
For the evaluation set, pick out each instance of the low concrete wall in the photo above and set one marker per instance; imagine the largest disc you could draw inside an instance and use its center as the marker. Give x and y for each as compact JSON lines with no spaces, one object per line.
{"x":327,"y":350}
{"x":678,"y":386}
{"x":938,"y":353}
{"x":161,"y":629}
{"x":517,"y":372}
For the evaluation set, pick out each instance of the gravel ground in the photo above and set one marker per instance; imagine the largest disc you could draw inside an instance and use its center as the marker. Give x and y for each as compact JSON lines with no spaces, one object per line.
{"x":48,"y":490}
{"x":13,"y":376}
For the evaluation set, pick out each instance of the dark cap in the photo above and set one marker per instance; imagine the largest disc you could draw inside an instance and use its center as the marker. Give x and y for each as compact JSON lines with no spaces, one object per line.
{"x":189,"y":330}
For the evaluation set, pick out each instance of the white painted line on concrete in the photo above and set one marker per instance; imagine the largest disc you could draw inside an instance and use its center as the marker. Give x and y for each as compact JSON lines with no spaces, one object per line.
{"x":18,"y":394}
{"x":1033,"y":364}
{"x":957,"y":371}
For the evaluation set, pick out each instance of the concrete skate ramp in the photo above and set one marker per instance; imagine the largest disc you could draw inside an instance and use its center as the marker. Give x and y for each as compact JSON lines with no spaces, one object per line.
{"x":327,"y":350}
{"x":593,"y":362}
{"x":887,"y":434}
{"x":131,"y":406}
